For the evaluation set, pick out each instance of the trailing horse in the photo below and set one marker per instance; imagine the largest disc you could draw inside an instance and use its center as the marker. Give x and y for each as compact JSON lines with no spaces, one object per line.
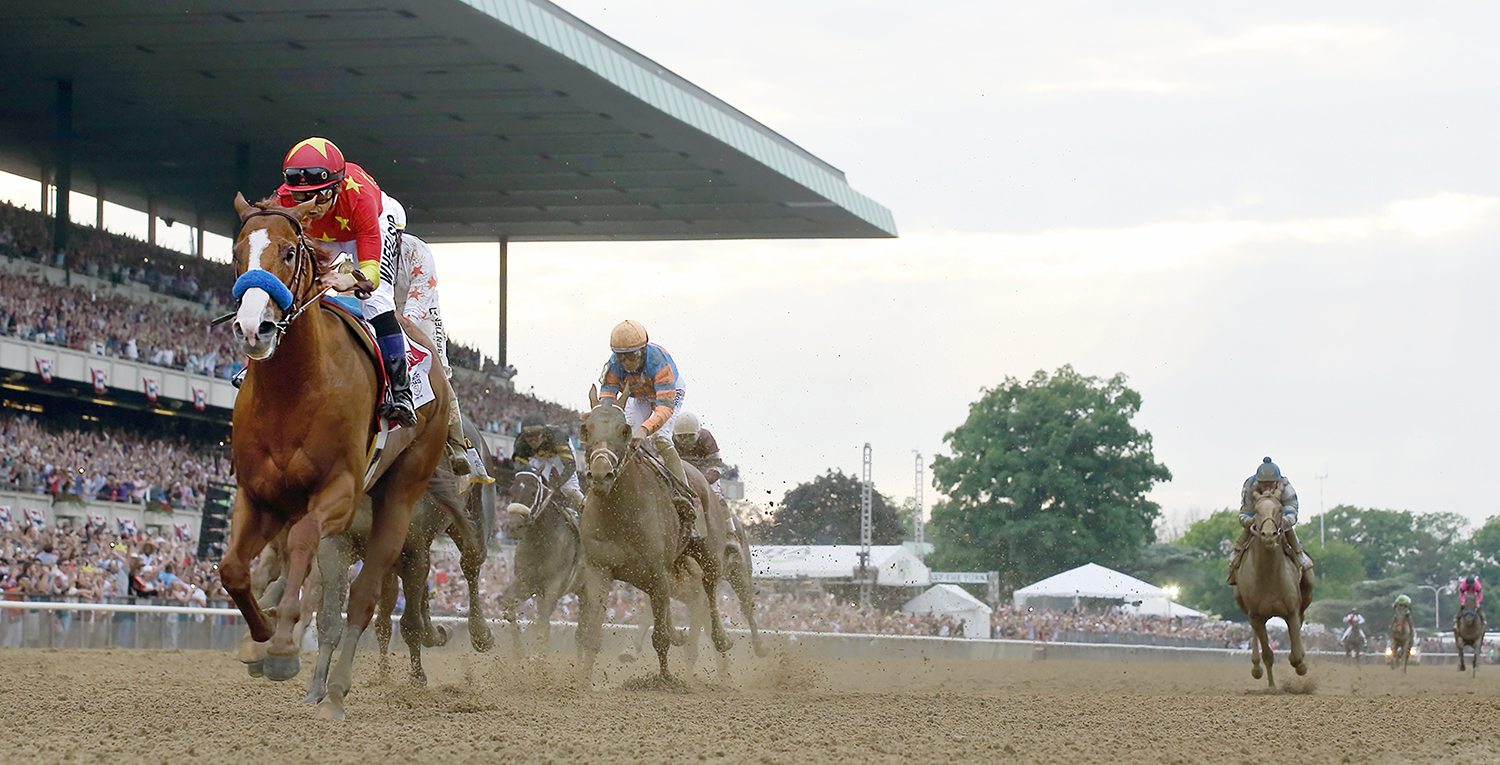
{"x":1271,"y":583}
{"x":1354,"y":644}
{"x":726,"y":535}
{"x":303,"y":426}
{"x":631,"y":532}
{"x":1468,"y":632}
{"x":445,"y":508}
{"x":549,"y":554}
{"x":1401,"y":633}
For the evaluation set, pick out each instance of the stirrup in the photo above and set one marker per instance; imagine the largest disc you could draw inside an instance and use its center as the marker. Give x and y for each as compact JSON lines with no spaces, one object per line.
{"x":401,"y":411}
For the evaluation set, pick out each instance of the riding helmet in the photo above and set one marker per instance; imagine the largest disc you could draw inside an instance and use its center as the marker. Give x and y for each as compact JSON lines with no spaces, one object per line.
{"x":628,"y":336}
{"x":1267,"y":471}
{"x":312,"y":165}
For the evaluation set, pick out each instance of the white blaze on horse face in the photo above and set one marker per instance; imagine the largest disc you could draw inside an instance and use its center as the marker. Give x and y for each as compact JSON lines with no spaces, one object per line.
{"x":255,"y":303}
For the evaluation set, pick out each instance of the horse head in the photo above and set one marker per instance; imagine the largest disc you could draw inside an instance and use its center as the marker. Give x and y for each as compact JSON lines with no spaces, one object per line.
{"x":273,"y":261}
{"x":524,"y":501}
{"x":1267,"y":521}
{"x":605,"y":436}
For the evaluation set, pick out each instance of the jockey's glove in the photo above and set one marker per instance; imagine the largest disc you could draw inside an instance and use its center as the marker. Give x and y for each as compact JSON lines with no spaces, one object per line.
{"x":1290,"y":517}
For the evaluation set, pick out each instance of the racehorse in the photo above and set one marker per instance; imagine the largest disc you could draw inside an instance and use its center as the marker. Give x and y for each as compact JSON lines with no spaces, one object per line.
{"x":1270,"y":584}
{"x":1401,"y":633}
{"x":1468,"y":632}
{"x":268,"y":577}
{"x":445,"y":508}
{"x":631,"y":532}
{"x":734,"y":548}
{"x":549,"y":553}
{"x":303,"y":423}
{"x":1354,"y":643}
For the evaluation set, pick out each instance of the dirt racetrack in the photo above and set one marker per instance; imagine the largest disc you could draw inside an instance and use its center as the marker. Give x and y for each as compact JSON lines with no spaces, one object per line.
{"x":199,"y":706}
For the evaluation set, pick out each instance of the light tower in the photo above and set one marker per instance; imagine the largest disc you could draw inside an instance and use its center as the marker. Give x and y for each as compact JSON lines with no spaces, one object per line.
{"x":865,"y":488}
{"x":917,"y":530}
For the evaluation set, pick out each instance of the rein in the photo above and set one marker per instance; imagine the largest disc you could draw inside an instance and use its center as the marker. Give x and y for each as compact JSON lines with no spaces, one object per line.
{"x":542,"y":496}
{"x":303,"y":248}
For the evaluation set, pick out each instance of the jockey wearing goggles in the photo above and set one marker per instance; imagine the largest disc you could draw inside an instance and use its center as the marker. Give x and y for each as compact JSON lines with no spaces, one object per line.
{"x":645,"y":374}
{"x":1268,"y":481}
{"x":355,"y":217}
{"x":545,"y":449}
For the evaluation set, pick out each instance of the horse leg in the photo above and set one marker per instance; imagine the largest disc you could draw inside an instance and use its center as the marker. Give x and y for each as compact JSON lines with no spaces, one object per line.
{"x":637,"y":648}
{"x":589,"y":637}
{"x":540,"y":633}
{"x":283,"y":660}
{"x":739,"y":581}
{"x":1296,"y":657}
{"x":312,"y":587}
{"x":1460,"y":642}
{"x":249,"y":532}
{"x":507,"y":604}
{"x":334,"y":555}
{"x":660,"y":593}
{"x":471,"y":555}
{"x":413,"y":620}
{"x":390,"y":589}
{"x":722,"y":641}
{"x":391,"y":517}
{"x":1260,"y":650}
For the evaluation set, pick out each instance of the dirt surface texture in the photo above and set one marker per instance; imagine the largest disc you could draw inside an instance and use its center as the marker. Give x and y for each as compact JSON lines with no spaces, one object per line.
{"x":141,"y":706}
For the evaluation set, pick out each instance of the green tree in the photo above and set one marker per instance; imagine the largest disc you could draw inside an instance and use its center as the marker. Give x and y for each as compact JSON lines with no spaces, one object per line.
{"x":1429,"y":546}
{"x":1045,"y":475}
{"x":1339,"y":566}
{"x":1215,"y":534}
{"x":826,"y":511}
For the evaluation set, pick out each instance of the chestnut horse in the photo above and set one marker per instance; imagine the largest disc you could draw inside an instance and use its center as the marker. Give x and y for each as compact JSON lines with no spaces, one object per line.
{"x":631,"y":532}
{"x":1401,"y":633}
{"x":303,"y":424}
{"x":1270,"y":584}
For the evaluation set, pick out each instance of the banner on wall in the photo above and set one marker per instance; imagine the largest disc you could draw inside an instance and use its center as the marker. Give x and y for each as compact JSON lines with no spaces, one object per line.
{"x":100,"y":376}
{"x":36,"y":517}
{"x":151,"y":386}
{"x":200,"y":398}
{"x":44,"y":368}
{"x":126,"y":526}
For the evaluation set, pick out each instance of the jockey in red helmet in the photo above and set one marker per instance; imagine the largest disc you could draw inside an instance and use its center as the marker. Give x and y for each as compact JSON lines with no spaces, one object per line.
{"x":354,"y":216}
{"x":1469,"y":586}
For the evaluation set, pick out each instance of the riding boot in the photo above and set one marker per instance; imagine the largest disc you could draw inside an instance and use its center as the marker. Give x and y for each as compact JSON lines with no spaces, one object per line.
{"x":393,"y":353}
{"x":455,"y":449}
{"x":1239,"y":555}
{"x":682,"y":494}
{"x":1303,"y":559}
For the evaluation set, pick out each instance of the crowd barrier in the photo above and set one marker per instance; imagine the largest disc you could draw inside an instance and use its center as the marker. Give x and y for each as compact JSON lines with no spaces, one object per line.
{"x":122,"y":624}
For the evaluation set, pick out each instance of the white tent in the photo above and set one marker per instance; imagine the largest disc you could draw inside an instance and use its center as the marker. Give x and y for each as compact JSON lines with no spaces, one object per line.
{"x":895,"y":566}
{"x":954,"y":601}
{"x":1090,"y":580}
{"x":1161,"y":607}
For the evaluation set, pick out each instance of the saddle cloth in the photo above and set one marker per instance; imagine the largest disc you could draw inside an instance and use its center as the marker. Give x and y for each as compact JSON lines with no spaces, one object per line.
{"x":418,"y":360}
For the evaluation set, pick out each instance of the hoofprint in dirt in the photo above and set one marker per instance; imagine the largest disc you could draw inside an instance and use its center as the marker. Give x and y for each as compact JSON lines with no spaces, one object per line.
{"x":155,"y":706}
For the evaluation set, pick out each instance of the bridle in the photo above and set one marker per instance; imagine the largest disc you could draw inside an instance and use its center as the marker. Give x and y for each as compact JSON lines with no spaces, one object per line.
{"x":541,"y":497}
{"x":304,"y":257}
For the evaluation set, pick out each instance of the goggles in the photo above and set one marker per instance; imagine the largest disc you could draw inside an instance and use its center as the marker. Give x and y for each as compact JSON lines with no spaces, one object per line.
{"x":322,"y":195}
{"x":311,"y":176}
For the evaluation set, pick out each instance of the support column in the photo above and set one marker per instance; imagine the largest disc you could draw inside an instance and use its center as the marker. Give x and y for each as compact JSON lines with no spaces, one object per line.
{"x":504,"y":258}
{"x":198,"y":221}
{"x":242,"y":171}
{"x":64,"y":156}
{"x":99,"y":205}
{"x":46,"y":180}
{"x":151,"y":208}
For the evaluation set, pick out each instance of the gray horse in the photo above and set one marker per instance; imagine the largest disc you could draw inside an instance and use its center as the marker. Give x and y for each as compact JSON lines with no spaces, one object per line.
{"x":465,"y":516}
{"x":549,"y":554}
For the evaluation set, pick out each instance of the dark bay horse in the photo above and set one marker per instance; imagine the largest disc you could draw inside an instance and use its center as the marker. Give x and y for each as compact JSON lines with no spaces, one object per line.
{"x":549,"y":554}
{"x":631,"y":533}
{"x":445,"y":508}
{"x":1354,"y":644}
{"x":1401,"y":633}
{"x":1468,"y":632}
{"x":302,"y":427}
{"x":1270,"y":584}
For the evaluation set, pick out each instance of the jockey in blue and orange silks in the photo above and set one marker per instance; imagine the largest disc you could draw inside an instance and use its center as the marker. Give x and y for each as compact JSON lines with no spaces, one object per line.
{"x":1469,"y":587}
{"x":353,"y":216}
{"x":646,"y":376}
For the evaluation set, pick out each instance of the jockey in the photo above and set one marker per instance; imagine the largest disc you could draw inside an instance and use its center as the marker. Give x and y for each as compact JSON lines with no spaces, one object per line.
{"x":414,"y":289}
{"x":645,"y":374}
{"x":1354,"y":622}
{"x":1467,"y":587}
{"x":355,"y":217}
{"x":1268,"y":479}
{"x":545,"y":449}
{"x":698,"y":447}
{"x":1402,"y":601}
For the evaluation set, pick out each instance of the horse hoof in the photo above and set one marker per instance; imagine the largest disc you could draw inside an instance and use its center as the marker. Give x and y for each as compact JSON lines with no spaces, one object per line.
{"x":762,"y":651}
{"x":1256,"y":672}
{"x":418,"y":679}
{"x":1302,"y":668}
{"x":256,"y":668}
{"x":439,"y":636}
{"x":330,"y":709}
{"x":627,"y":657}
{"x":280,"y":668}
{"x":723,"y":646}
{"x":484,"y":641}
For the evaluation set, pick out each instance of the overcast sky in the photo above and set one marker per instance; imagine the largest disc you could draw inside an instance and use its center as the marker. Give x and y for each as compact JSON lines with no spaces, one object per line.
{"x":1279,"y":222}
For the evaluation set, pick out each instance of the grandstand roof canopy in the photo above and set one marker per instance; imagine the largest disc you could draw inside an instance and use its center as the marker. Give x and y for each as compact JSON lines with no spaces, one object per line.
{"x":488,"y":119}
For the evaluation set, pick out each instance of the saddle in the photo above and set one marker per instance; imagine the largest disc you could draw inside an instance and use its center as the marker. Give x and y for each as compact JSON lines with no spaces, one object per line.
{"x":347,"y":308}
